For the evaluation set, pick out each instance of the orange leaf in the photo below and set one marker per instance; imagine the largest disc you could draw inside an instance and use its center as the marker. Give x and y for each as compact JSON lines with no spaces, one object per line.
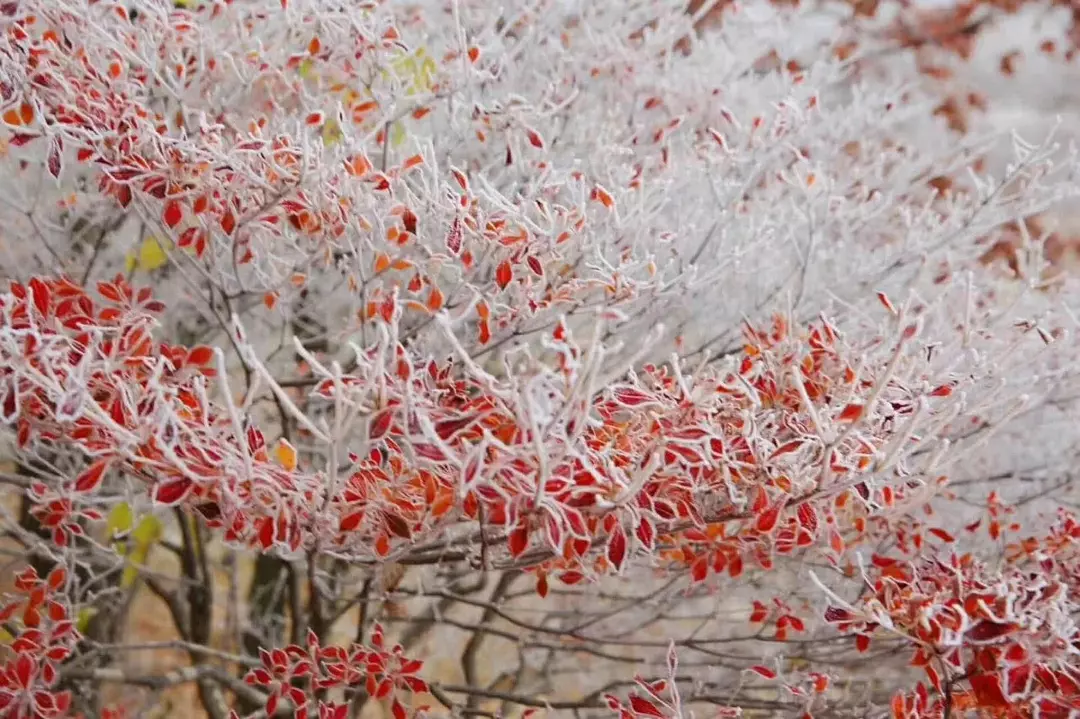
{"x":599,"y":194}
{"x":435,"y":300}
{"x":228,"y":222}
{"x":382,"y":263}
{"x":851,"y":413}
{"x":357,"y":166}
{"x":442,"y":504}
{"x":285,"y":454}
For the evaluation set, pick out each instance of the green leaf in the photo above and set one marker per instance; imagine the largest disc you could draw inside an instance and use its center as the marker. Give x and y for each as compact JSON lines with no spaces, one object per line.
{"x":82,"y":619}
{"x":146,"y":533}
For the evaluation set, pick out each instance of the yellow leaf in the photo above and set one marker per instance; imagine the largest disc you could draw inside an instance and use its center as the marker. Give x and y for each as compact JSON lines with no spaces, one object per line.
{"x":331,"y":133}
{"x":146,"y":532}
{"x":306,"y":67}
{"x":286,"y":454}
{"x":416,"y":70}
{"x":120,"y":520}
{"x":151,"y":255}
{"x":397,"y":134}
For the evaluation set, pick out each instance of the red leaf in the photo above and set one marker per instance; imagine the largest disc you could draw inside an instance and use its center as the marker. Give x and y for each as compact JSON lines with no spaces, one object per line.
{"x":767,"y":519}
{"x":838,"y":614}
{"x":504,"y":274}
{"x":25,"y":667}
{"x":735,"y":568}
{"x":862,"y":642}
{"x":41,"y":295}
{"x":534,"y":265}
{"x":942,"y":535}
{"x":19,"y":139}
{"x":200,"y":355}
{"x":763,"y":671}
{"x":53,"y":161}
{"x":91,"y":477}
{"x":644,"y":706}
{"x":398,"y":710}
{"x":700,"y":569}
{"x":350,"y":522}
{"x":56,"y":578}
{"x":397,"y":526}
{"x":616,"y":550}
{"x":173,"y":214}
{"x":808,"y":517}
{"x":786,"y":448}
{"x":987,"y":688}
{"x":454,"y":236}
{"x":519,"y":540}
{"x":170,"y":493}
{"x":630,"y":397}
{"x":646,"y":533}
{"x":380,"y":424}
{"x":943,"y":391}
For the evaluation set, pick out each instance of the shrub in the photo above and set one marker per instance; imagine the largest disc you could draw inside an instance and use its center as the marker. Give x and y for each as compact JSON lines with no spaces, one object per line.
{"x":463,"y":359}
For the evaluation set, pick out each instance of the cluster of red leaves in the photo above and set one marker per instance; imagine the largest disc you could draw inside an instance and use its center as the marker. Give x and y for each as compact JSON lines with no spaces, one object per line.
{"x":298,"y":674}
{"x":45,"y":638}
{"x":253,"y":209}
{"x":719,"y":467}
{"x":96,"y":99}
{"x":87,"y":372}
{"x":1002,"y":642}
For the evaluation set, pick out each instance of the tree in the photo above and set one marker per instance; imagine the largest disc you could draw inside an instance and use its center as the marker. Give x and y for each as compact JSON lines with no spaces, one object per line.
{"x":636,"y":357}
